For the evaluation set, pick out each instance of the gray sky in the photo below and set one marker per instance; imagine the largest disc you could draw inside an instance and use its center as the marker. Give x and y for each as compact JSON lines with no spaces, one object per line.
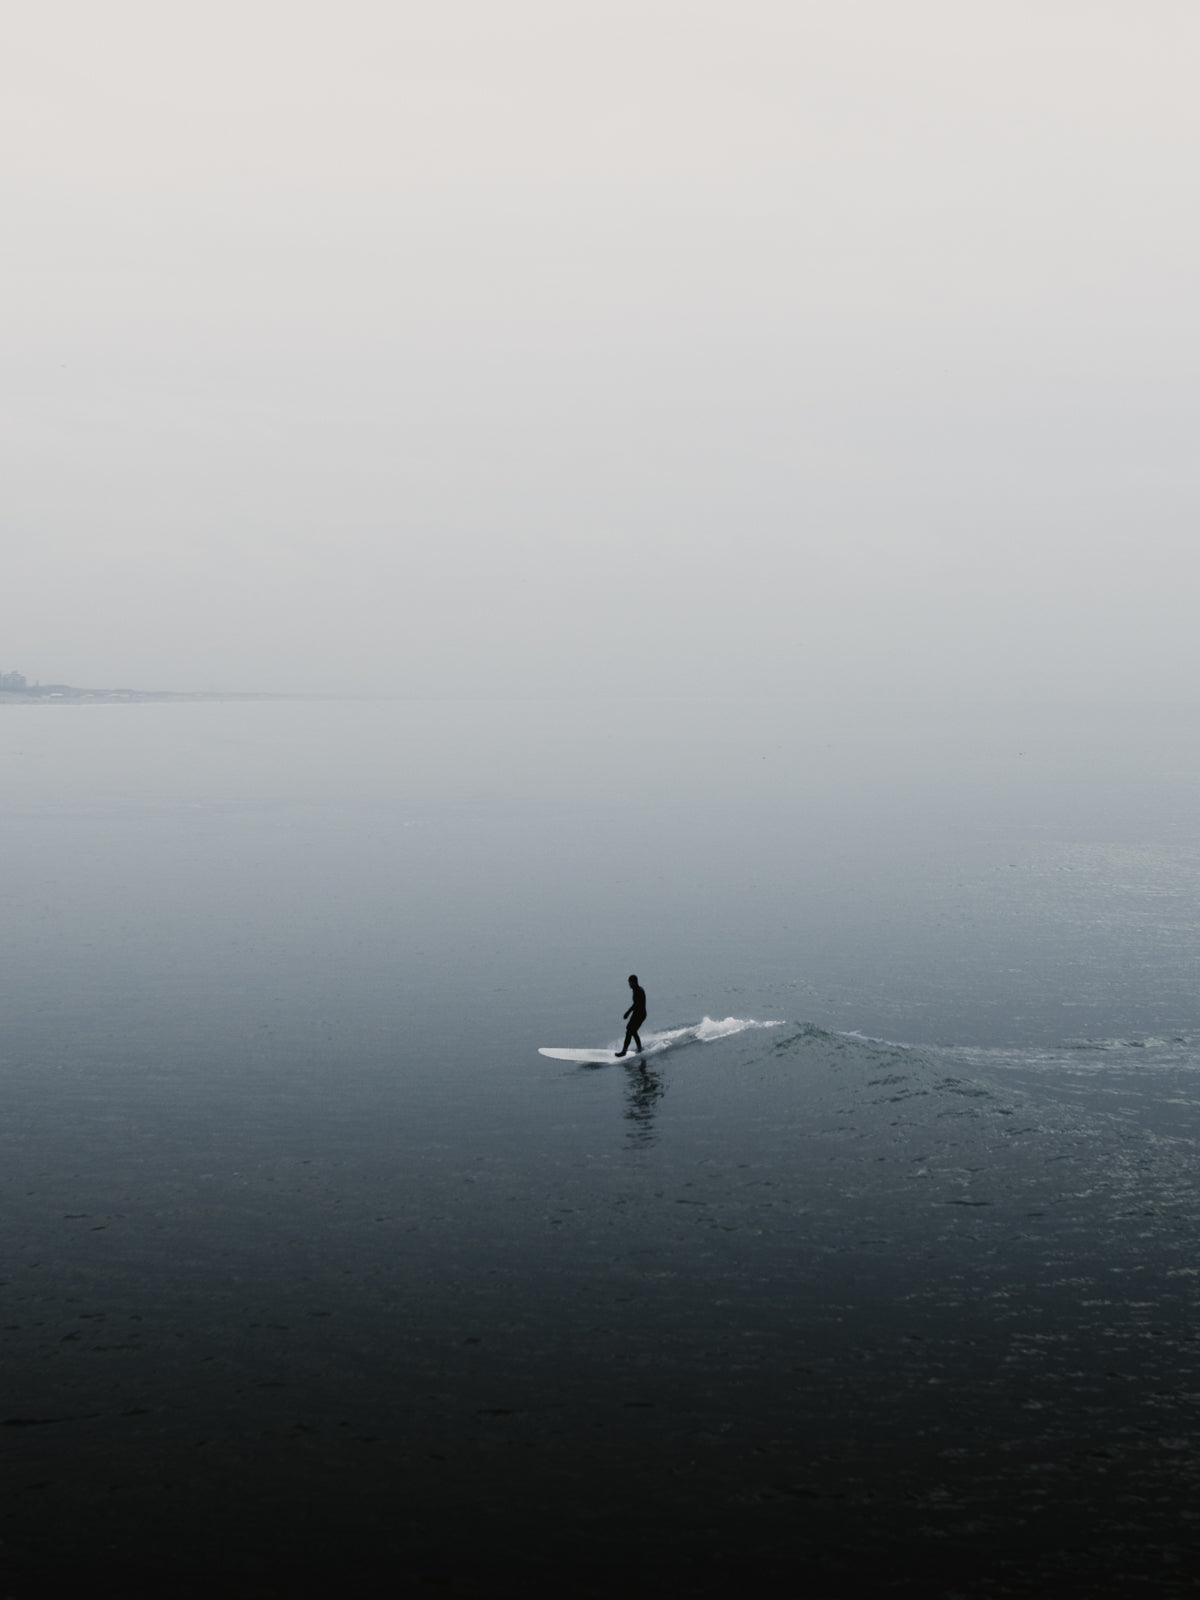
{"x":515,"y":346}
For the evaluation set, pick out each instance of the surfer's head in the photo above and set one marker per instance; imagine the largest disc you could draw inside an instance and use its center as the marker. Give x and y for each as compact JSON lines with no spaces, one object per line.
{"x":633,"y":980}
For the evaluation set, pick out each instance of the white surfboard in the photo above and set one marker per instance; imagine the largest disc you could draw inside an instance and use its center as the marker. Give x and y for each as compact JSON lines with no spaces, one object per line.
{"x":581,"y":1058}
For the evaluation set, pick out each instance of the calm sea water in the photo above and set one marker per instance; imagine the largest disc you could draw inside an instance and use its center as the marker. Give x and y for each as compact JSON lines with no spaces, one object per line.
{"x":314,"y":1266}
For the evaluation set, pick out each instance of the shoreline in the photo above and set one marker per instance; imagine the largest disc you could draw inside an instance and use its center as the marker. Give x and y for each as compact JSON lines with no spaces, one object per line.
{"x":63,"y":695}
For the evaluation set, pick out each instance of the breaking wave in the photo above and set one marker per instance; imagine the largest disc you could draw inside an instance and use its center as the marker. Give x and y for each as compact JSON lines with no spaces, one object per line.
{"x":706,"y":1031}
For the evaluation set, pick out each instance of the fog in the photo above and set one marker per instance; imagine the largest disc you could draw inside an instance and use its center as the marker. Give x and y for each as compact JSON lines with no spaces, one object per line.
{"x":573,"y":348}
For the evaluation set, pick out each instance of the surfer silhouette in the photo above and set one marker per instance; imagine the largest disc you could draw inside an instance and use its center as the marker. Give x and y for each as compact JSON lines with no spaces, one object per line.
{"x":636,"y":1015}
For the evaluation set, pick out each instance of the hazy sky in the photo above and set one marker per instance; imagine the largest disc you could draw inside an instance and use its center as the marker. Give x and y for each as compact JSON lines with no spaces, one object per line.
{"x":545,"y":346}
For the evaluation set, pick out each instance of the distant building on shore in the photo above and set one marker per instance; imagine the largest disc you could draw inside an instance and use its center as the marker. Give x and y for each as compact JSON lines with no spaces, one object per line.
{"x":13,"y":680}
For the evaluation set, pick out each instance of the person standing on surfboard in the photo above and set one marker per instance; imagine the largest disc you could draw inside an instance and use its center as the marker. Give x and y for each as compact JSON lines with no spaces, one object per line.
{"x":636,"y":1015}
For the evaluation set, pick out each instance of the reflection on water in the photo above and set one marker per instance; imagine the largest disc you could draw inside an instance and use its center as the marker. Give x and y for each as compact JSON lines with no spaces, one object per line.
{"x":644,"y":1088}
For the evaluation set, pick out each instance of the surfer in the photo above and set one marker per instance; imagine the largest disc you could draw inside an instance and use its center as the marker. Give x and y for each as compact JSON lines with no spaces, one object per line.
{"x":636,"y":1015}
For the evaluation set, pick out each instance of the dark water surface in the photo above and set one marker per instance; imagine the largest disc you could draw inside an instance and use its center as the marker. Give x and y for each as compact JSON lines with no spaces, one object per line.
{"x":317,"y":1275}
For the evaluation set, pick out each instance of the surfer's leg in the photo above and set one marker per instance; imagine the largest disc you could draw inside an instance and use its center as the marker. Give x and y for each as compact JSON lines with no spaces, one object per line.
{"x":637,"y":1041}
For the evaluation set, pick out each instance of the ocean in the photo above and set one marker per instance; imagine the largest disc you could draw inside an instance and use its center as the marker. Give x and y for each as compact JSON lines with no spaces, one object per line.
{"x":878,"y":1270}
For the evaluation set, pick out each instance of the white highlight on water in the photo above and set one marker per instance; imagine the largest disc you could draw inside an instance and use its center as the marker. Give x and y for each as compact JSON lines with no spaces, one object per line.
{"x":705,"y":1031}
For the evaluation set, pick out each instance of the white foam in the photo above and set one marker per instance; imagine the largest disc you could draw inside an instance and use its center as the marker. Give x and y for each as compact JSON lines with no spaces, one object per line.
{"x":711,"y":1029}
{"x":704,"y":1032}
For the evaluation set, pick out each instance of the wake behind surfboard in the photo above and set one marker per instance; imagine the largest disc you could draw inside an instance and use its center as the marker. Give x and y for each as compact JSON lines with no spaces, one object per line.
{"x":653,"y":1044}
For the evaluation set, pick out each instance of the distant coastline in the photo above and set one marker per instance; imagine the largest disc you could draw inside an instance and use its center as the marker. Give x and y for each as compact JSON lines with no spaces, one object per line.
{"x":67,"y":694}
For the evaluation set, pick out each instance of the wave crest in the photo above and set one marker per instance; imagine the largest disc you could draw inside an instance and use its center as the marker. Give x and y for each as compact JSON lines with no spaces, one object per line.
{"x":706,"y":1031}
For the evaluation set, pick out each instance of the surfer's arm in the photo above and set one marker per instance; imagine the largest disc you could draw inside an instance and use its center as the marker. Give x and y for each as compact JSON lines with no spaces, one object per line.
{"x":624,"y":1014}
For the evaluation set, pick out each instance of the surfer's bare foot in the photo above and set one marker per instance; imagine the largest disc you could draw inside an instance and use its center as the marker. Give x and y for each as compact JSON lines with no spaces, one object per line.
{"x":618,"y":1054}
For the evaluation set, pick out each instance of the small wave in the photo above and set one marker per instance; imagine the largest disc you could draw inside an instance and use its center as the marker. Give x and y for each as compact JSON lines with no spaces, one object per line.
{"x":872,"y":1038}
{"x":706,"y":1031}
{"x":840,"y":1042}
